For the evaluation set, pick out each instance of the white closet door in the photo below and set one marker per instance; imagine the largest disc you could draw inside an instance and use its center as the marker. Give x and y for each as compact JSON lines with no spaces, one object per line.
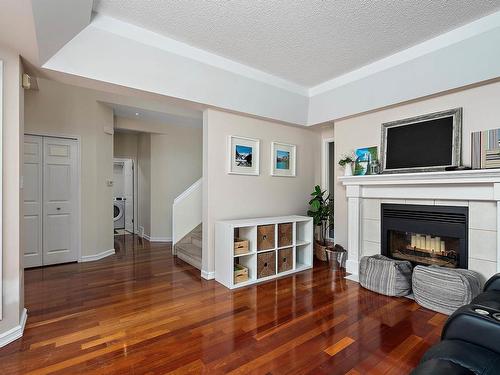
{"x":60,"y":190}
{"x":128,"y":189}
{"x":32,"y":201}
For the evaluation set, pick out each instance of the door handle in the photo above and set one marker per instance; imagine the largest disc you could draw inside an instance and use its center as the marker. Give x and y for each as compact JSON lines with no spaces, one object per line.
{"x":58,"y":208}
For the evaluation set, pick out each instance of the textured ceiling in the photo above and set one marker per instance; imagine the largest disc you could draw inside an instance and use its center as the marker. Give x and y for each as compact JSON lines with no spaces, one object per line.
{"x":304,"y":41}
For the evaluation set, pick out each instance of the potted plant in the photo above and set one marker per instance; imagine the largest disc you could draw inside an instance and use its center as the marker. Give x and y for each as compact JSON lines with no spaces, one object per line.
{"x":319,"y":210}
{"x":346,"y":162}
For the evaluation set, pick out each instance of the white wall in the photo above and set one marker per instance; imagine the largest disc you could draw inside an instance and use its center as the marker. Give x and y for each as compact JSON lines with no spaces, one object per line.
{"x":61,"y":109}
{"x":233,"y":196}
{"x":12,"y":276}
{"x":176,"y":163}
{"x":480,"y":112}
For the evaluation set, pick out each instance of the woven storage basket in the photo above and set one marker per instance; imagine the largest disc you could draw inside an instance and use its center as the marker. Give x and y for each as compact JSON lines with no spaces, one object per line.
{"x":285,"y":259}
{"x":320,"y":250}
{"x":266,"y":264}
{"x":265,"y":237}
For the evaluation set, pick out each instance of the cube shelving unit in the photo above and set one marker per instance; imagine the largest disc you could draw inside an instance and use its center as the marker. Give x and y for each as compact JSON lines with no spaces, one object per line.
{"x":302,"y":247}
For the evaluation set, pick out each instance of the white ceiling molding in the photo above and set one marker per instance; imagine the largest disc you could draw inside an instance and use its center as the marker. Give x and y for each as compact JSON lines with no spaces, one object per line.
{"x":152,"y":39}
{"x":464,"y":63}
{"x":306,"y":42}
{"x":119,"y":53}
{"x":470,"y":30}
{"x":109,"y":57}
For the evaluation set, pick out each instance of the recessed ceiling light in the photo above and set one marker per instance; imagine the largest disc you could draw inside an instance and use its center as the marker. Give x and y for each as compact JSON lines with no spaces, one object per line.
{"x":137,"y":113}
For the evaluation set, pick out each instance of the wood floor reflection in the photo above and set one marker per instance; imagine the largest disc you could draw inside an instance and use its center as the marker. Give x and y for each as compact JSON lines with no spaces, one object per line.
{"x":143,"y":311}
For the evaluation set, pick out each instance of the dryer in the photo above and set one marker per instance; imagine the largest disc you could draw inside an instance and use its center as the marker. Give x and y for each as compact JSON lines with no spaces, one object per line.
{"x":119,"y":213}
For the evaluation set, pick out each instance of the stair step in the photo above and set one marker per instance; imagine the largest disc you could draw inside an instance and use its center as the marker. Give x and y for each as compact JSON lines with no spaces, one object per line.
{"x":196,"y":235}
{"x":196,"y":263}
{"x":197,"y":242}
{"x":189,"y":253}
{"x":189,"y":249}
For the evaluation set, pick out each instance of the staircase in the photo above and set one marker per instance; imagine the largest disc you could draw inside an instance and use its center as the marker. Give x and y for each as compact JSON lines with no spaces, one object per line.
{"x":186,"y":225}
{"x":189,"y":247}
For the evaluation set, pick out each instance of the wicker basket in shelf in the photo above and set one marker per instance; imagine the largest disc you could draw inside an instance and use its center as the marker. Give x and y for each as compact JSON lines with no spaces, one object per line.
{"x":266,"y":264}
{"x":285,"y":259}
{"x":265,"y":237}
{"x":240,"y":273}
{"x":240,"y":246}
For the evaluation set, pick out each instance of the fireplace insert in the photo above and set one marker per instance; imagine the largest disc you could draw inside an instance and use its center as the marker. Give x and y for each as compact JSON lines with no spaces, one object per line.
{"x":426,"y":235}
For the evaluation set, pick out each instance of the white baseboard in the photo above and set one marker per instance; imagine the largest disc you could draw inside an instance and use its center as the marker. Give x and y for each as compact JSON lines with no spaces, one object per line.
{"x":91,"y":258}
{"x":157,"y":239}
{"x":207,"y":275}
{"x":352,"y":267}
{"x":160,"y":239}
{"x":353,"y":278}
{"x":16,"y":332}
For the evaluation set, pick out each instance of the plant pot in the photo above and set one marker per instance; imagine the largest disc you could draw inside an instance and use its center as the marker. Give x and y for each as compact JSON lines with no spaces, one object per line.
{"x":336,"y":258}
{"x":320,"y":250}
{"x":348,"y":169}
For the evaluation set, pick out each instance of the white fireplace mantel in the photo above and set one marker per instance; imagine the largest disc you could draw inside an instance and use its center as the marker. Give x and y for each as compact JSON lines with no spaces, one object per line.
{"x":454,"y":186}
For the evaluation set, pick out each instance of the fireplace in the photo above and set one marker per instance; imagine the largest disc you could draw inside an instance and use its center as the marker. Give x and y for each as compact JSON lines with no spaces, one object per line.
{"x":426,"y":235}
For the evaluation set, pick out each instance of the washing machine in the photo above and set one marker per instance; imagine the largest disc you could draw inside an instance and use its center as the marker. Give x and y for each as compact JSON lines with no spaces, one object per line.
{"x":119,"y":213}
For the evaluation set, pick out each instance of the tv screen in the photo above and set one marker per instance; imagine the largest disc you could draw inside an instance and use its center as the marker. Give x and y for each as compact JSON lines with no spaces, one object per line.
{"x":421,"y":144}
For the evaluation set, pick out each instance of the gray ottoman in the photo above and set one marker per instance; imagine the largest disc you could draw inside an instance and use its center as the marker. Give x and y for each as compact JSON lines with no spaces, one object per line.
{"x":385,"y":276}
{"x":444,"y":289}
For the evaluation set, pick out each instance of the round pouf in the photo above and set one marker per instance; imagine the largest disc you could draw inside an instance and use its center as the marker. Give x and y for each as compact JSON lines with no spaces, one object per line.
{"x":444,"y":289}
{"x":385,"y":276}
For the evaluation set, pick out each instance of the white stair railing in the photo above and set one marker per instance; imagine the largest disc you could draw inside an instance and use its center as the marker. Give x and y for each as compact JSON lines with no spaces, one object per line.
{"x":187,"y":211}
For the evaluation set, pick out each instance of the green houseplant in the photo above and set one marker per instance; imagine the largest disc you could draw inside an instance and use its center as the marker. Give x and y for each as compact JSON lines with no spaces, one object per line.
{"x":320,"y":209}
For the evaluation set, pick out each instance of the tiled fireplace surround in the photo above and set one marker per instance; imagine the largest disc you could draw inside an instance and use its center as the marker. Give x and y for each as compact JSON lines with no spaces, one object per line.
{"x":477,"y":189}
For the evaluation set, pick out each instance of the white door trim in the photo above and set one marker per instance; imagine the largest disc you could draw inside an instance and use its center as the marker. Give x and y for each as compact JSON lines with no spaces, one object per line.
{"x":78,"y":182}
{"x":325,"y":153}
{"x":325,"y":169}
{"x":135,"y":183}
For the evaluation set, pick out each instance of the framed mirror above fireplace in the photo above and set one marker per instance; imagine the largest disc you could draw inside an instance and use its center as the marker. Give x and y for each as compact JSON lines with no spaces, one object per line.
{"x":425,"y":235}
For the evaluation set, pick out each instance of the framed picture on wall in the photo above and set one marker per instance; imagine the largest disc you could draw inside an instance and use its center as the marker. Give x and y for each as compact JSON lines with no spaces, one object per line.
{"x":244,"y":155}
{"x":283,"y":159}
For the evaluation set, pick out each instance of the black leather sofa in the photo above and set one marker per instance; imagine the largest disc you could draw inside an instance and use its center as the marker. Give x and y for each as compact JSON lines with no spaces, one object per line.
{"x":470,"y":340}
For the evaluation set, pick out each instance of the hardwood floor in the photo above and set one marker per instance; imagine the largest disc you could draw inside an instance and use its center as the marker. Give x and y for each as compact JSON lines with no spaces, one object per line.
{"x":143,"y":311}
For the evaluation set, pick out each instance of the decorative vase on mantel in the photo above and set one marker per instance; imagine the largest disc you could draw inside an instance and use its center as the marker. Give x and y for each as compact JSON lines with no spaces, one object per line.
{"x":348,"y":169}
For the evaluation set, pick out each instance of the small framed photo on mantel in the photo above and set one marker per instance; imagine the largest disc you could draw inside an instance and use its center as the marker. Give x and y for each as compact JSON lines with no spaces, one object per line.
{"x":283,"y":157}
{"x":243,"y":155}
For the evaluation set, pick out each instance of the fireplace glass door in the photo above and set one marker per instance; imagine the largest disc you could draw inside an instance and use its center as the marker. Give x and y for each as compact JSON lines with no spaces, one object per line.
{"x":425,"y":234}
{"x":424,"y":248}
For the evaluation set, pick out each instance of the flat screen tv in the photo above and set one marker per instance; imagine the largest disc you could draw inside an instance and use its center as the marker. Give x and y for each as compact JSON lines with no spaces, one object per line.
{"x":425,"y":143}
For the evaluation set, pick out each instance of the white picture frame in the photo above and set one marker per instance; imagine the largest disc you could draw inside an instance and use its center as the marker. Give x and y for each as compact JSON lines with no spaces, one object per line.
{"x":239,"y":149}
{"x":283,"y":159}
